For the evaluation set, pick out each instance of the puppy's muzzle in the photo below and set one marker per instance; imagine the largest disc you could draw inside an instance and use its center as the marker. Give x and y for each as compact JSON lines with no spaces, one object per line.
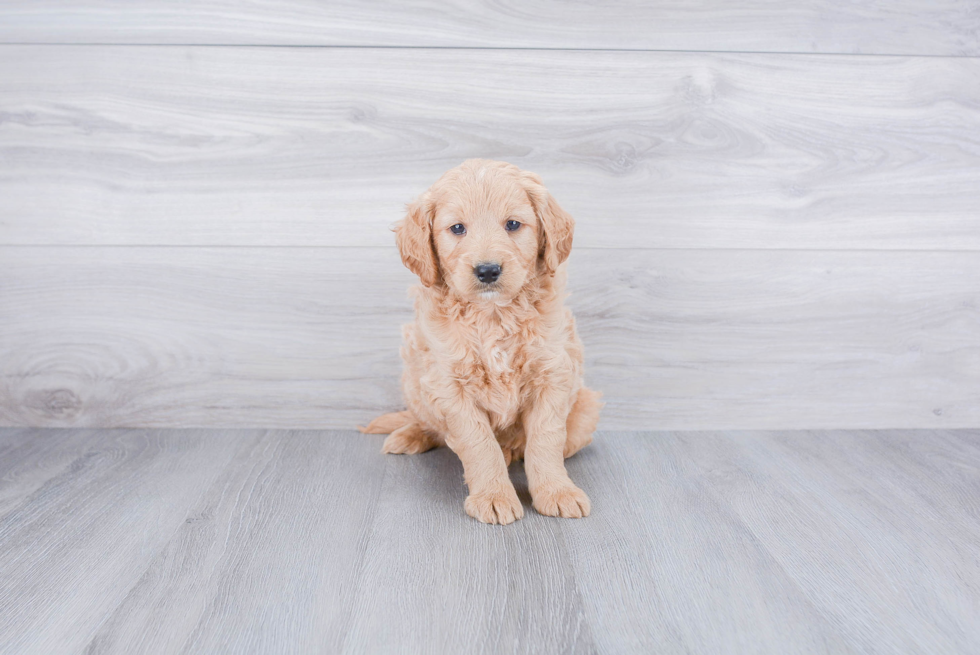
{"x":487,"y":272}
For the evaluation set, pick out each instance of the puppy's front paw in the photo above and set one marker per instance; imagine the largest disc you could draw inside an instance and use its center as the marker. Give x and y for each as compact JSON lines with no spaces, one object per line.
{"x":564,"y":500}
{"x":501,"y":507}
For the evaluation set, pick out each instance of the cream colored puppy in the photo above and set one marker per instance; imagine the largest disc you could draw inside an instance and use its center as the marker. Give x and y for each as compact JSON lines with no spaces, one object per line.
{"x":493,"y":365}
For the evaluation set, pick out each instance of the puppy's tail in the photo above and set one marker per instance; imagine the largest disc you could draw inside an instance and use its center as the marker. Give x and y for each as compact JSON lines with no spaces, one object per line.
{"x":387,"y":423}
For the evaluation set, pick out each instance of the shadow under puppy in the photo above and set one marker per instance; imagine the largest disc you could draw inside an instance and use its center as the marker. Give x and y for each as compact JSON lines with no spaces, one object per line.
{"x":493,"y":365}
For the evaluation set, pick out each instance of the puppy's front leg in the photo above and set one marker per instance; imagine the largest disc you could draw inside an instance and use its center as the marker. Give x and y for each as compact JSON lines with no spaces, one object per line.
{"x":492,"y":496}
{"x":552,"y":492}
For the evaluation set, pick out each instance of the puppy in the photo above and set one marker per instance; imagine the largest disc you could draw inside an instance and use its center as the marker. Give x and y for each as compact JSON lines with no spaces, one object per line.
{"x":493,"y":365}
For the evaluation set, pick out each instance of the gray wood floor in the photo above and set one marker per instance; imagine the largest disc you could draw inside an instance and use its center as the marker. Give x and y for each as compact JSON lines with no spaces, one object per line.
{"x":207,"y":541}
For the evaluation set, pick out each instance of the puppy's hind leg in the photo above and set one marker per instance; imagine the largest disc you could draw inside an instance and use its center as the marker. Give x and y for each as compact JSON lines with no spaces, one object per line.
{"x":387,"y":423}
{"x":405,"y":434}
{"x":582,"y":421}
{"x":410,"y":439}
{"x":511,"y":442}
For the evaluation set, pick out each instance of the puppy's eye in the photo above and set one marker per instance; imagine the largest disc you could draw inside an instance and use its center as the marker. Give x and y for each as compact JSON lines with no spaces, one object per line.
{"x":459,"y":228}
{"x":512,"y":225}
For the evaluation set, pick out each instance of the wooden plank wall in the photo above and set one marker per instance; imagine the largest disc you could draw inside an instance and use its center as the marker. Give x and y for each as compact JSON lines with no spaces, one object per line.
{"x":903,"y":27}
{"x":778,"y":204}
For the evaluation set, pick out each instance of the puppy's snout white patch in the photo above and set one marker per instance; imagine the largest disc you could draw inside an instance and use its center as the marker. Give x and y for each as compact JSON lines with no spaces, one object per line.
{"x":489,"y":295}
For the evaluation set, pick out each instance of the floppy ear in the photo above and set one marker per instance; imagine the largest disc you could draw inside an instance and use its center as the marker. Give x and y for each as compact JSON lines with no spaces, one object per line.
{"x":413,"y":234}
{"x":557,"y":225}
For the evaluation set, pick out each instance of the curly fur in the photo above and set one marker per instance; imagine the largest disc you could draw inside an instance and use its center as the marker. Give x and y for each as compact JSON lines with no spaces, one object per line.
{"x":494,"y":372}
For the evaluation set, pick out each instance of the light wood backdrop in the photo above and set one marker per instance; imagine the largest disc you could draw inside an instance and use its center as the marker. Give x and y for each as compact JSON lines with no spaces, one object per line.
{"x":778,"y":204}
{"x":921,"y":27}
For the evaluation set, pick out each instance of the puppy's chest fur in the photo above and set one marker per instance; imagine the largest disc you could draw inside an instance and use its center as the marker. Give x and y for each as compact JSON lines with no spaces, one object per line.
{"x":497,"y":369}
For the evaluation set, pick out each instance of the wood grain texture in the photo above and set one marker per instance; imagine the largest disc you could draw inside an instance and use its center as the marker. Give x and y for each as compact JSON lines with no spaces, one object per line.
{"x":27,"y":462}
{"x":82,"y":538}
{"x":311,"y":146}
{"x":793,"y":542}
{"x":699,"y":542}
{"x":696,"y":578}
{"x":937,"y":27}
{"x":308,"y":337}
{"x":455,"y":585}
{"x":279,"y":540}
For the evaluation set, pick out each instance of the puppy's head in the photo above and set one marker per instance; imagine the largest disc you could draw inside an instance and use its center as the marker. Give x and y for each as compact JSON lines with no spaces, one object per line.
{"x":485,"y":229}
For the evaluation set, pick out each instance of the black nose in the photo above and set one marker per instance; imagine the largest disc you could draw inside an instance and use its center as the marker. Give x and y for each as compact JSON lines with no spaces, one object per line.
{"x":487,"y":273}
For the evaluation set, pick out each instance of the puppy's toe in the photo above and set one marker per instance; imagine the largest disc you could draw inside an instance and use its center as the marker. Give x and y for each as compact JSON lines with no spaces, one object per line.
{"x":408,"y":440}
{"x":564,"y":500}
{"x":501,"y":507}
